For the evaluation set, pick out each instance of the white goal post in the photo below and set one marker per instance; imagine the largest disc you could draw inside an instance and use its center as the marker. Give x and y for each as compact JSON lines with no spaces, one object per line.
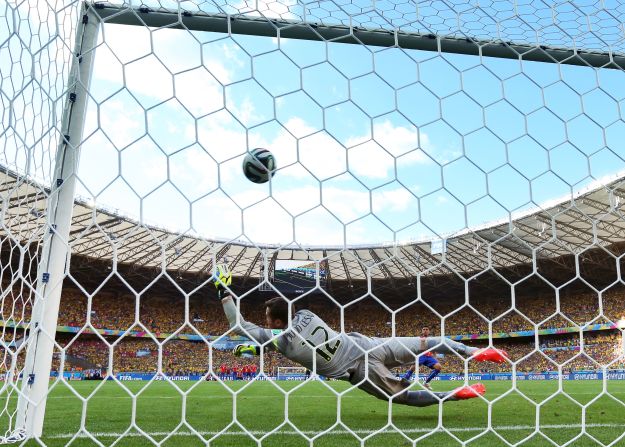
{"x":335,"y":112}
{"x":55,"y":255}
{"x":354,"y":33}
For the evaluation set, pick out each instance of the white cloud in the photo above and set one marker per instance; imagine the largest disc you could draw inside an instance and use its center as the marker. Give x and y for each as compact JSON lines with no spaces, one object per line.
{"x":225,"y":140}
{"x":199,"y":92}
{"x":245,"y":111}
{"x":318,"y":227}
{"x":199,"y":89}
{"x":231,"y":53}
{"x":268,"y":8}
{"x":144,"y":166}
{"x":346,"y":204}
{"x":297,"y":200}
{"x":121,"y":120}
{"x":148,"y":77}
{"x":117,"y":38}
{"x":178,"y":49}
{"x":399,"y":140}
{"x":98,"y":165}
{"x":370,"y":160}
{"x":322,"y":155}
{"x":221,"y":136}
{"x":265,"y":221}
{"x":228,"y":223}
{"x":395,"y":200}
{"x":299,"y":128}
{"x":376,"y":158}
{"x":178,"y":210}
{"x":194,"y":172}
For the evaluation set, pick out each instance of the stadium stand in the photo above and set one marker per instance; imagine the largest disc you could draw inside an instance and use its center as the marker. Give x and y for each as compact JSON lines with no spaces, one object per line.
{"x":117,"y":312}
{"x":564,"y":278}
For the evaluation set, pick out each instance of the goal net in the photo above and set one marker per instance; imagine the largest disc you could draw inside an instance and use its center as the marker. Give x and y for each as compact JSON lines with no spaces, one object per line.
{"x":454,"y":169}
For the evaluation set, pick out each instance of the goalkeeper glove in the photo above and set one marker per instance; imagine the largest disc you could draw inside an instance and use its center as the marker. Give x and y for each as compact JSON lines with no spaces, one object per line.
{"x":240,"y":350}
{"x":222,"y":278}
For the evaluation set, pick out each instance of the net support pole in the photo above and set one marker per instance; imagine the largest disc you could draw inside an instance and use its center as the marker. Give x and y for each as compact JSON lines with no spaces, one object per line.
{"x":55,"y":255}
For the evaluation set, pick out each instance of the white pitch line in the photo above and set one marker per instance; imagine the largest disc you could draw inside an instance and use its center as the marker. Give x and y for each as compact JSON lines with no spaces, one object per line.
{"x":335,"y":432}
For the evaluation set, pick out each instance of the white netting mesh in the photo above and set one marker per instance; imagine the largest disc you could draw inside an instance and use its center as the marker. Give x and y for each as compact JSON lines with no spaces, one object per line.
{"x":442,"y":164}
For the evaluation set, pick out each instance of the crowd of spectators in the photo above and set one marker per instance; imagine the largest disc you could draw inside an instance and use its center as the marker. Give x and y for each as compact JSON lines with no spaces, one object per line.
{"x":600,"y":349}
{"x":172,"y":358}
{"x":183,"y":357}
{"x":160,"y":316}
{"x":164,"y":315}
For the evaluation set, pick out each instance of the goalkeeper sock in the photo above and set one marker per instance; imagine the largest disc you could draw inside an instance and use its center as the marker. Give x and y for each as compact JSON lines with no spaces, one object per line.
{"x":426,"y":398}
{"x":448,"y":346}
{"x":433,"y":374}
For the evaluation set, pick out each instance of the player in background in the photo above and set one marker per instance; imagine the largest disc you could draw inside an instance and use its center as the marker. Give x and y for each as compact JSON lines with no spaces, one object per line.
{"x":426,"y":359}
{"x":361,"y":360}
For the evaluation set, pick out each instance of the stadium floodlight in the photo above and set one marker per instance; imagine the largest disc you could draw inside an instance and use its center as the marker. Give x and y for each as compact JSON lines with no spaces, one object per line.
{"x":389,"y":121}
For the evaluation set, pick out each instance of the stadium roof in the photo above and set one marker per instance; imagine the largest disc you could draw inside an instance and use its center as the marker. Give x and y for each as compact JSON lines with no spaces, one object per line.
{"x":591,"y":219}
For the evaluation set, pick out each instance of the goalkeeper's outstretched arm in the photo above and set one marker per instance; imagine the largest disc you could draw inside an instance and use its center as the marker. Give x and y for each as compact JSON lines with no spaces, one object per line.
{"x":222,"y":279}
{"x":242,"y":327}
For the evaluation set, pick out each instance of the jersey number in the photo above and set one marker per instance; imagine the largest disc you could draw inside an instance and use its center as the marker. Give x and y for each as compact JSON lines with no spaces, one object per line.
{"x":326,"y":351}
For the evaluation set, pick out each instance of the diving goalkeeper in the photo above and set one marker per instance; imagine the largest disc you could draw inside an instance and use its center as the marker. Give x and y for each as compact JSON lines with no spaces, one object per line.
{"x":309,"y":341}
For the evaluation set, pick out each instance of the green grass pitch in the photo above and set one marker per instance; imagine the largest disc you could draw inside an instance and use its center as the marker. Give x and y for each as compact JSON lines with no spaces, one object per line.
{"x":314,"y":409}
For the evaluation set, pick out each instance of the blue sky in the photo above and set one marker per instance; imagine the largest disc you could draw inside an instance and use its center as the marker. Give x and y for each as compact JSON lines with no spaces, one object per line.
{"x":386,"y":140}
{"x":373,"y":144}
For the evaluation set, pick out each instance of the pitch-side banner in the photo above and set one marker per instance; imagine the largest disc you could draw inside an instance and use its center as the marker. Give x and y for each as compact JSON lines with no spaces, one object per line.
{"x":551,"y":375}
{"x":579,"y":375}
{"x":616,"y":374}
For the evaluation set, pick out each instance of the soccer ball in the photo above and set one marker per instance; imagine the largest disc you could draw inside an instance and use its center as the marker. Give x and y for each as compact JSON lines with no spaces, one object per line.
{"x":259,"y":165}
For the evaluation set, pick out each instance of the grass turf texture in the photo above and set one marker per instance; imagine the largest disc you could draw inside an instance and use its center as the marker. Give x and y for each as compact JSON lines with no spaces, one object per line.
{"x":313,"y":408}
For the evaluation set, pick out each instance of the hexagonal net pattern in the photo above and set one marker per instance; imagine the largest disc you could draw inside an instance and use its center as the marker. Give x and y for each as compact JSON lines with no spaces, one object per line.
{"x":448,"y":199}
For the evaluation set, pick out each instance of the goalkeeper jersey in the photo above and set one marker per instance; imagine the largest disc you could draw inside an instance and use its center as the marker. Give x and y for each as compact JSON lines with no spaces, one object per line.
{"x":308,"y":341}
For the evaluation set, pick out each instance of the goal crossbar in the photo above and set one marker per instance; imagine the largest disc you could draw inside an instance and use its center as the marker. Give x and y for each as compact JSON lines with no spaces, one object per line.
{"x":294,"y":29}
